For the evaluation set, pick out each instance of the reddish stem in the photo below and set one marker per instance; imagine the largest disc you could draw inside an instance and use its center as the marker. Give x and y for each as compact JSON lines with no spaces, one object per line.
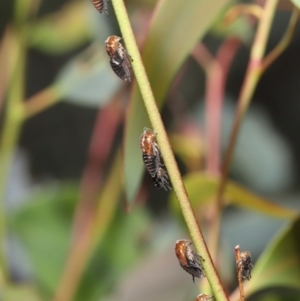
{"x":101,"y":143}
{"x":216,"y":74}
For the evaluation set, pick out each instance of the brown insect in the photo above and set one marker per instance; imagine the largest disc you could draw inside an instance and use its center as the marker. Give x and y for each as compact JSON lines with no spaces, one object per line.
{"x":203,"y":297}
{"x":119,"y":58}
{"x":245,"y":264}
{"x":189,"y":260}
{"x":161,"y":179}
{"x":153,"y":159}
{"x":101,"y":5}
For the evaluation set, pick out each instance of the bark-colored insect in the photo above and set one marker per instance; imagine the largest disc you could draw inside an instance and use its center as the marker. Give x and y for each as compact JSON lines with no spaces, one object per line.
{"x":101,"y":5}
{"x":153,"y":159}
{"x":189,"y":260}
{"x":245,"y":264}
{"x":119,"y":58}
{"x":203,"y":297}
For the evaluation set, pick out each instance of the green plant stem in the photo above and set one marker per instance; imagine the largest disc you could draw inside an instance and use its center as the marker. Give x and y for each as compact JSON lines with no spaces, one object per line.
{"x":284,"y":42}
{"x":92,"y":233}
{"x":11,"y":129}
{"x":252,"y":77}
{"x":166,"y":150}
{"x":41,"y":101}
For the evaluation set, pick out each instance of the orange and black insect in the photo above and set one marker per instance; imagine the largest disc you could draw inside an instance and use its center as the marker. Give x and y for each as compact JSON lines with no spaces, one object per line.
{"x":245,"y":264}
{"x":119,"y":58}
{"x":153,"y":159}
{"x":101,"y":5}
{"x":203,"y":297}
{"x":189,"y":260}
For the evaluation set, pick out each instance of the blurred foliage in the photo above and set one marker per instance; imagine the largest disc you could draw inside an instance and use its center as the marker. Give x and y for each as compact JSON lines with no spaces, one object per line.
{"x":234,"y":194}
{"x":279,"y":265}
{"x":43,"y":221}
{"x":43,"y":225}
{"x":296,"y":2}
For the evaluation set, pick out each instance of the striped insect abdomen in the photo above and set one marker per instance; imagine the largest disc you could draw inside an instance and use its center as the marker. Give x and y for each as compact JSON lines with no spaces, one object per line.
{"x":101,"y":5}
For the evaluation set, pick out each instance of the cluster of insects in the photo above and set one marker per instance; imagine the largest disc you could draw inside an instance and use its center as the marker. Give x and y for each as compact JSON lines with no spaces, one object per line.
{"x":119,"y":58}
{"x":101,"y":5}
{"x":189,"y":260}
{"x":245,"y":264}
{"x":153,"y":159}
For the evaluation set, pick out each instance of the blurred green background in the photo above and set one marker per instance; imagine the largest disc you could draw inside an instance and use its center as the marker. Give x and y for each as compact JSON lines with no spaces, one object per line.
{"x":79,"y":220}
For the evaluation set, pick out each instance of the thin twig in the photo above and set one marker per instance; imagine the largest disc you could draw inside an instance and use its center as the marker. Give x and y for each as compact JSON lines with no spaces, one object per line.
{"x":92,"y":233}
{"x":216,"y":77}
{"x":239,"y":272}
{"x":284,"y":42}
{"x":85,"y":219}
{"x":41,"y":101}
{"x":252,"y":77}
{"x":237,"y":10}
{"x":214,"y":94}
{"x":11,"y":130}
{"x":166,"y":150}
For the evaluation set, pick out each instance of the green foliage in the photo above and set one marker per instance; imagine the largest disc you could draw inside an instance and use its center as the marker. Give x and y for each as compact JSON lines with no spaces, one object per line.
{"x":87,"y":80}
{"x":21,"y":292}
{"x":43,"y":225}
{"x":202,"y":189}
{"x":71,"y":27}
{"x":279,"y":265}
{"x":120,"y":250}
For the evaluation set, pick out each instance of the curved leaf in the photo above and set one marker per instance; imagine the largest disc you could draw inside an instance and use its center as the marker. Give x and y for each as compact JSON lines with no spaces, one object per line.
{"x":72,"y":26}
{"x":202,"y":188}
{"x":279,"y":265}
{"x":176,"y":28}
{"x":88,"y":79}
{"x":296,"y":3}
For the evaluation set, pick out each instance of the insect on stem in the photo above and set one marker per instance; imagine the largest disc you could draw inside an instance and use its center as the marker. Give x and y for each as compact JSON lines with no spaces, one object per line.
{"x":101,"y":5}
{"x":189,"y":260}
{"x":203,"y":297}
{"x":244,"y":266}
{"x":153,"y":159}
{"x":119,"y":58}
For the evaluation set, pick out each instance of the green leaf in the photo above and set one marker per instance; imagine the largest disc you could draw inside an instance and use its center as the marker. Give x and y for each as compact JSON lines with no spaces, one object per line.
{"x":88,"y":80}
{"x":279,"y":265}
{"x":176,"y":28}
{"x":21,"y":292}
{"x":120,"y":249}
{"x":72,"y":26}
{"x":240,"y":28}
{"x":43,"y":225}
{"x":296,"y":3}
{"x":202,"y":188}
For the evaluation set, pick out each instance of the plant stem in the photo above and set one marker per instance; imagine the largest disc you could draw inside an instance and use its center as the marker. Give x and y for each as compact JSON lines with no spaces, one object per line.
{"x":284,"y":42}
{"x":214,"y":93}
{"x":92,"y":233}
{"x":41,"y":101}
{"x":11,"y":129}
{"x":252,"y":77}
{"x":239,"y":272}
{"x":166,"y":150}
